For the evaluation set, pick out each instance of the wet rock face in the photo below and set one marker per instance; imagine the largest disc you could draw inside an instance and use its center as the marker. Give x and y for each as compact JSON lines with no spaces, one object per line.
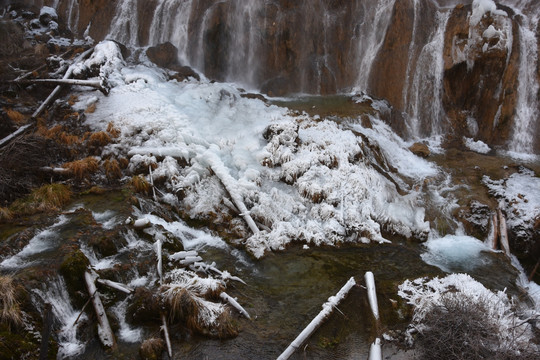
{"x":480,"y":87}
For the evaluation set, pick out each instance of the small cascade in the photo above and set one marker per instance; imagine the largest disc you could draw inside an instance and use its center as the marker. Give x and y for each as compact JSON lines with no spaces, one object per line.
{"x":73,"y":15}
{"x":424,"y":97}
{"x":124,"y":26}
{"x":370,"y":33}
{"x":170,"y":22}
{"x":527,"y":109}
{"x":56,"y":294}
{"x":242,"y":61}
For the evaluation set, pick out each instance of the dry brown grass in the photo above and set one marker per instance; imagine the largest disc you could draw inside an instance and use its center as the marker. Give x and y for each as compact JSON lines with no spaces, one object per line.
{"x":113,"y":130}
{"x":10,"y":312}
{"x":69,"y":139}
{"x":72,"y":100}
{"x":90,"y":109}
{"x":99,"y":139}
{"x":46,"y":198}
{"x":112,"y":169}
{"x":15,"y":116}
{"x":123,"y":162}
{"x":140,"y":185}
{"x":84,"y":168}
{"x":151,"y":349}
{"x":5,"y":214}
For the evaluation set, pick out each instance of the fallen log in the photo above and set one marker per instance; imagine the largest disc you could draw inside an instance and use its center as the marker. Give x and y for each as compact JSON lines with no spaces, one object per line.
{"x":57,"y":89}
{"x":13,"y":135}
{"x":98,"y":84}
{"x":503,"y":233}
{"x":104,"y":328}
{"x":375,"y":350}
{"x":234,"y":304}
{"x":228,"y":183}
{"x":115,"y":285}
{"x":372,"y":294}
{"x":491,"y":240}
{"x":317,"y":321}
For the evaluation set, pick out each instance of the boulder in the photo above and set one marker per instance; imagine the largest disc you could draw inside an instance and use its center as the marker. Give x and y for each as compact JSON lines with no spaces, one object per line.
{"x":420,"y":149}
{"x":163,"y":55}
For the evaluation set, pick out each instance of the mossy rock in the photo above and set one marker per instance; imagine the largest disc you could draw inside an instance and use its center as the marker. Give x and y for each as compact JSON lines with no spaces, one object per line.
{"x":144,"y":308}
{"x":73,"y":268}
{"x":104,"y":245}
{"x":151,"y":349}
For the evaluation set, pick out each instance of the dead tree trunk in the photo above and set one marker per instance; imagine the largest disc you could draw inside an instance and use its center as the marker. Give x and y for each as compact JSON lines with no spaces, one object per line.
{"x":104,"y":328}
{"x":57,"y":89}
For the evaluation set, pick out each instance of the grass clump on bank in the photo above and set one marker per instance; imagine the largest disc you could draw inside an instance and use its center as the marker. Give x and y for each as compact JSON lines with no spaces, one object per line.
{"x":10,"y":312}
{"x":51,"y":197}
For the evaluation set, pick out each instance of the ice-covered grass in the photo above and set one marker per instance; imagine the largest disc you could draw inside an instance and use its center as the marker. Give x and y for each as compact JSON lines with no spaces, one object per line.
{"x":518,"y":198}
{"x":494,"y":316}
{"x":304,"y":180}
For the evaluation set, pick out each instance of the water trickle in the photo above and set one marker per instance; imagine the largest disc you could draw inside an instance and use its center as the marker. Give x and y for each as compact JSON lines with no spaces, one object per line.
{"x":424,"y":105}
{"x":55,"y":293}
{"x":527,"y":109}
{"x":371,"y":32}
{"x":124,"y":26}
{"x":170,"y":22}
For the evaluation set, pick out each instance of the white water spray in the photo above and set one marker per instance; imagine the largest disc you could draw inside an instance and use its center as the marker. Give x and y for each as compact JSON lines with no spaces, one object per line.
{"x":124,"y":26}
{"x":527,"y":109}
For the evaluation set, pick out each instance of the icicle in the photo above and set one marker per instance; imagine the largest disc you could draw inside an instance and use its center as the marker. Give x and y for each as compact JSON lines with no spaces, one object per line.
{"x":317,"y":321}
{"x":160,"y":261}
{"x":234,"y":304}
{"x":166,"y":335}
{"x":372,"y":294}
{"x":152,"y":182}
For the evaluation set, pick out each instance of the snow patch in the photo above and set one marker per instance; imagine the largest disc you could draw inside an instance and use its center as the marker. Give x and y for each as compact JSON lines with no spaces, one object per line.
{"x":477,"y":146}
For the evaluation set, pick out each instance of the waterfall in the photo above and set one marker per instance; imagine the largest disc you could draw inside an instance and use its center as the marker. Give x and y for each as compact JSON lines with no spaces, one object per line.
{"x":73,"y":15}
{"x":371,"y":32}
{"x":170,"y":22}
{"x":242,"y":61}
{"x":124,"y":26}
{"x":527,"y":109}
{"x":424,"y":105}
{"x":65,"y":315}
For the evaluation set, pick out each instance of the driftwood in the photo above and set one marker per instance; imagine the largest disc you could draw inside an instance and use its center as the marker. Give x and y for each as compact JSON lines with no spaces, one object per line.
{"x":57,"y":89}
{"x":372,"y":294}
{"x":375,"y":350}
{"x":166,"y":334}
{"x":503,"y":233}
{"x":55,"y":170}
{"x":225,"y":275}
{"x":234,"y":304}
{"x":114,"y":285}
{"x":104,"y":328}
{"x":13,"y":135}
{"x":98,"y":84}
{"x":317,"y":321}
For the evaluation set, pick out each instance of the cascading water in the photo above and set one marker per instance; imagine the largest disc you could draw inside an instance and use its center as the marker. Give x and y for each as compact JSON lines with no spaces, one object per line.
{"x":528,"y":107}
{"x":370,"y":33}
{"x":65,"y":315}
{"x":424,"y":105}
{"x":170,"y":22}
{"x":124,"y":26}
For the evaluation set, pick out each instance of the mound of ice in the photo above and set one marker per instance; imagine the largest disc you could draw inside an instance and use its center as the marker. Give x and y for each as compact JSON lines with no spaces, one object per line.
{"x":481,"y":7}
{"x":477,"y":146}
{"x":518,"y":198}
{"x":301,"y":179}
